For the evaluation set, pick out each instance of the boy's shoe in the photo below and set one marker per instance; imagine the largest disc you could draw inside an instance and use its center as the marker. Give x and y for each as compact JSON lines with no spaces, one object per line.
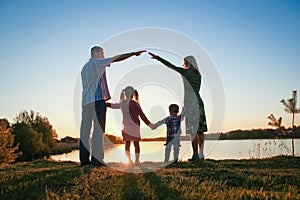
{"x":175,"y":161}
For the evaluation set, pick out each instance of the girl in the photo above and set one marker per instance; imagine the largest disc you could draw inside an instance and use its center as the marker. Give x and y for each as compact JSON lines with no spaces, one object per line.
{"x":131,"y":111}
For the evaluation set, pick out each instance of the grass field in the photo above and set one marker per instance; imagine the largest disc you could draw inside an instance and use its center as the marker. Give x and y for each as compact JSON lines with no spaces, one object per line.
{"x":273,"y":178}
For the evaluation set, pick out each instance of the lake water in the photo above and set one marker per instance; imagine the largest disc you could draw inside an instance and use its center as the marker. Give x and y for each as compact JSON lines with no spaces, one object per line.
{"x":213,"y":149}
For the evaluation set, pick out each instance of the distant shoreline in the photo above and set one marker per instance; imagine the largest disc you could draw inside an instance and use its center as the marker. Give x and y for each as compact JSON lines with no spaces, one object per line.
{"x":68,"y":144}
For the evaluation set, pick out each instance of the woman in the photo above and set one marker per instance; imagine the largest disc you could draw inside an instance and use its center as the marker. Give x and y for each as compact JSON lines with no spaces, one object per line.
{"x":193,"y":104}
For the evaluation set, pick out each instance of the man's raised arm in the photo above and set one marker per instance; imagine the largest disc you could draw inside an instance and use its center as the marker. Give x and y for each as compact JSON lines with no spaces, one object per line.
{"x":126,"y":55}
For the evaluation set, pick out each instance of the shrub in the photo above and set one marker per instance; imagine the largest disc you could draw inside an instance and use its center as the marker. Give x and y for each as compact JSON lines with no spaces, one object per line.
{"x":8,"y":152}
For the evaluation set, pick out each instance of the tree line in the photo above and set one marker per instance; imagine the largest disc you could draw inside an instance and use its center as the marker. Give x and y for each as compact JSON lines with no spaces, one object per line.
{"x":257,"y":134}
{"x":30,"y":137}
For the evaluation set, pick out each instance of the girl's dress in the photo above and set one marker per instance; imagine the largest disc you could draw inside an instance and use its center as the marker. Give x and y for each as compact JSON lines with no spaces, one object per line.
{"x":131,"y":111}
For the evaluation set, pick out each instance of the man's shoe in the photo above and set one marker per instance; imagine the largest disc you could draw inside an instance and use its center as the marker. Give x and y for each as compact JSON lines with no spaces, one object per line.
{"x":85,"y":163}
{"x":98,"y":164}
{"x":175,"y":161}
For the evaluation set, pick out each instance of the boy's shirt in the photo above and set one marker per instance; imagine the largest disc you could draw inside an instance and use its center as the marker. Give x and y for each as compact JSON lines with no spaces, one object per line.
{"x":173,"y":126}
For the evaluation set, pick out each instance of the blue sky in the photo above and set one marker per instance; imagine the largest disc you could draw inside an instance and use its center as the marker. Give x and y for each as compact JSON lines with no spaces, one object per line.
{"x":254,"y":45}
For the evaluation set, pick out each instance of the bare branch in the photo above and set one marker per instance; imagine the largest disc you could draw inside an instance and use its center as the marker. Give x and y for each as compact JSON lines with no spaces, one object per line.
{"x":284,"y":103}
{"x":272,"y":124}
{"x":279,"y":121}
{"x":297,"y":111}
{"x":288,"y":110}
{"x":272,"y":118}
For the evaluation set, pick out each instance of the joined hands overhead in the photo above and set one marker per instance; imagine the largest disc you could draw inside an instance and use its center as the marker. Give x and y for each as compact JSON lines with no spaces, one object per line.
{"x":138,"y":53}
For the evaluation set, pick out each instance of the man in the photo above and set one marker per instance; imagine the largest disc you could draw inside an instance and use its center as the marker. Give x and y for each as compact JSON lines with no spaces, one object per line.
{"x":94,"y":94}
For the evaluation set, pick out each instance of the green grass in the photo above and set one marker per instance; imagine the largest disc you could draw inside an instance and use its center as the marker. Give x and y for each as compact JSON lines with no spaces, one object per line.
{"x":273,"y":178}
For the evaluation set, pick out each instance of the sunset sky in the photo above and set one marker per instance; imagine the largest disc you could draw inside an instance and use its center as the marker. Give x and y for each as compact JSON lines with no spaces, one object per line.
{"x":253,"y":44}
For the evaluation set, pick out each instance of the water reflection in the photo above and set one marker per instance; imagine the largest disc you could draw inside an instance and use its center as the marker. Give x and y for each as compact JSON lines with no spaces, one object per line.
{"x":222,"y":149}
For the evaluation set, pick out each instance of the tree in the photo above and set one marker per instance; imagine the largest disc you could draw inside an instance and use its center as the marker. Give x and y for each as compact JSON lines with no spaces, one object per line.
{"x":30,"y":142}
{"x":7,"y":149}
{"x":35,"y":135}
{"x":42,"y":125}
{"x":290,"y":107}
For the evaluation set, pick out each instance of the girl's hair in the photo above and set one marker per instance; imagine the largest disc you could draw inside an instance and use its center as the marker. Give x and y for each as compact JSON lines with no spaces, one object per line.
{"x":192,"y":63}
{"x":129,"y":93}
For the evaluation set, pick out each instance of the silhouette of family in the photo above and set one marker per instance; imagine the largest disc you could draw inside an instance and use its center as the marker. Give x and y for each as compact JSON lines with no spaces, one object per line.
{"x":95,"y":96}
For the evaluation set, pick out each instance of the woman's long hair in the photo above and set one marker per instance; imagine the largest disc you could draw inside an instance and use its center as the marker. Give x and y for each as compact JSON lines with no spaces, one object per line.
{"x":129,"y":93}
{"x":192,"y":63}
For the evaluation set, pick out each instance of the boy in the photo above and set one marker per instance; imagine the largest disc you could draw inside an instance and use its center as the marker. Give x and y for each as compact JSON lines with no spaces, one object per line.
{"x":173,"y":131}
